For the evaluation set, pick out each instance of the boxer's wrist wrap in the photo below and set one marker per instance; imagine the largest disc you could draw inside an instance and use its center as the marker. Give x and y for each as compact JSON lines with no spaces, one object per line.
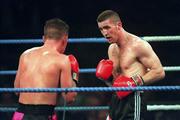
{"x":76,"y":82}
{"x":75,"y":78}
{"x":138,"y":80}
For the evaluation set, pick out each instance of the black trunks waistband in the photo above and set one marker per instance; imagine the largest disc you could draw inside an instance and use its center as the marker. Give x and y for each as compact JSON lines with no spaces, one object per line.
{"x":36,"y":109}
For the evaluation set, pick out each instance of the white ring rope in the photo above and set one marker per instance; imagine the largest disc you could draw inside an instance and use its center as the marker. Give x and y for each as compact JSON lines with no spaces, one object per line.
{"x":161,"y":38}
{"x":172,"y":68}
{"x":162,"y":107}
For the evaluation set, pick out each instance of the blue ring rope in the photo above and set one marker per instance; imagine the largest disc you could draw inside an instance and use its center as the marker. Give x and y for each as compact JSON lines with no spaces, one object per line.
{"x":89,"y":40}
{"x":93,"y":89}
{"x":13,"y":72}
{"x":39,"y":41}
{"x":77,"y":108}
{"x":89,"y":70}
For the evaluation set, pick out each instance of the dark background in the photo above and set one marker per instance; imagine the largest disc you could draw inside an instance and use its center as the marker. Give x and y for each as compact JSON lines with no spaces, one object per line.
{"x":21,"y":19}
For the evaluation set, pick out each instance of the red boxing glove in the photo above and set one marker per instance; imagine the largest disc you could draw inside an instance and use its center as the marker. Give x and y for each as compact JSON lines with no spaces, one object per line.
{"x":74,"y":68}
{"x":123,"y":81}
{"x":104,"y":69}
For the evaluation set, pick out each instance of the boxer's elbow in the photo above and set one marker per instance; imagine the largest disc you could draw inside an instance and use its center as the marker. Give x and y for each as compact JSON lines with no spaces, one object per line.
{"x":70,"y":97}
{"x":160,"y":73}
{"x":16,"y":93}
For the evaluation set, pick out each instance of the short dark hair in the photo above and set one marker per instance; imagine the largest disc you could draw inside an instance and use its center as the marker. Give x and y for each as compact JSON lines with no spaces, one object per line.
{"x":108,"y":14}
{"x":55,"y":29}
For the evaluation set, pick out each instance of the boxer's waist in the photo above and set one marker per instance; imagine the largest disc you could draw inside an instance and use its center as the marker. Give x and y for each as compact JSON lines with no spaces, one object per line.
{"x":36,"y":109}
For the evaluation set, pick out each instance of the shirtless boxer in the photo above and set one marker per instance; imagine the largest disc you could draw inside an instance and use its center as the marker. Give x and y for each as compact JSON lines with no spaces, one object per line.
{"x":46,"y":67}
{"x":132,"y":62}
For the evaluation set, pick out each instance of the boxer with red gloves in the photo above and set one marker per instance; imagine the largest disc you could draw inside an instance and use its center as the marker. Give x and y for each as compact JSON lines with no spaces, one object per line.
{"x":46,"y":66}
{"x":74,"y":68}
{"x":131,"y":56}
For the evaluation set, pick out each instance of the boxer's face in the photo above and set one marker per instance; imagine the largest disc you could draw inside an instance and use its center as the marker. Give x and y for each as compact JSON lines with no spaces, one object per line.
{"x":109,"y":30}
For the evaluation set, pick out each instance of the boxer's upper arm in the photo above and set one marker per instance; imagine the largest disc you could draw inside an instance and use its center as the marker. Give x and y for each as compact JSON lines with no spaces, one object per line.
{"x":113,"y":54}
{"x":18,"y":73}
{"x":65,"y":77}
{"x":150,"y":60}
{"x":17,"y":81}
{"x":148,"y":57}
{"x":66,"y":81}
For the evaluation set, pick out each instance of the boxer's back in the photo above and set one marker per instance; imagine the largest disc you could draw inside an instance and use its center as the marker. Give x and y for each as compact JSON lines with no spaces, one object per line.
{"x":40,"y":68}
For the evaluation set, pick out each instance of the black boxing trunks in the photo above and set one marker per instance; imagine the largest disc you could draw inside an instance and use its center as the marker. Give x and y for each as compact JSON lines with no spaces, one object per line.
{"x":131,"y":107}
{"x":34,"y":112}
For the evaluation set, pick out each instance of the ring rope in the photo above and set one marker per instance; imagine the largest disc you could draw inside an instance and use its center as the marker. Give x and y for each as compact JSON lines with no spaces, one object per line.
{"x":89,"y":70}
{"x":163,"y":107}
{"x":90,"y":40}
{"x":90,"y":108}
{"x":39,"y":41}
{"x":161,"y":38}
{"x":172,"y":68}
{"x":93,"y":89}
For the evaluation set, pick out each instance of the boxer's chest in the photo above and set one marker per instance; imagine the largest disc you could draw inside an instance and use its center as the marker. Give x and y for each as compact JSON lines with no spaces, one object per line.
{"x":127,"y":58}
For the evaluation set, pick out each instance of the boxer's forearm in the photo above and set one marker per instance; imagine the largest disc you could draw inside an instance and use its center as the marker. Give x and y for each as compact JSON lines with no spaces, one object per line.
{"x":153,"y":75}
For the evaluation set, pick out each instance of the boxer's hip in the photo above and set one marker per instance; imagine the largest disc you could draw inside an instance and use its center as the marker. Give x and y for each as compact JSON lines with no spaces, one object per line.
{"x":36,"y":109}
{"x":34,"y":112}
{"x":124,"y":109}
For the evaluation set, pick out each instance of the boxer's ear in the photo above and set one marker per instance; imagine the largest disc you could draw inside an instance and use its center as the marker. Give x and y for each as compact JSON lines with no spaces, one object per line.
{"x":119,"y":25}
{"x":44,"y":39}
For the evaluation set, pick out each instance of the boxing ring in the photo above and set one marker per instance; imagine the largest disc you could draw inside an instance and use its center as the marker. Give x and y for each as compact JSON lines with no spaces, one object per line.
{"x":162,"y":107}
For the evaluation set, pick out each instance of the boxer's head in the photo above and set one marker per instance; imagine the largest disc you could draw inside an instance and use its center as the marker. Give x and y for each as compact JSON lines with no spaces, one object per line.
{"x":55,"y":29}
{"x":109,"y":24}
{"x":108,"y":14}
